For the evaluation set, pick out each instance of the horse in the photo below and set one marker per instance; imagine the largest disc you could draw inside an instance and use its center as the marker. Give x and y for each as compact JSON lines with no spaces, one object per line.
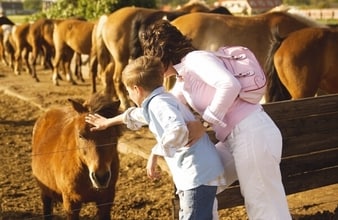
{"x":72,"y":164}
{"x":115,"y":32}
{"x":71,"y":36}
{"x":303,"y":63}
{"x":40,"y":37}
{"x":21,"y":48}
{"x":253,"y":32}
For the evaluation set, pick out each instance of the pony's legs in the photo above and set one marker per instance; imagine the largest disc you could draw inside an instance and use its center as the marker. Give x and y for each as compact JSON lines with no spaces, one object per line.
{"x":47,"y":207}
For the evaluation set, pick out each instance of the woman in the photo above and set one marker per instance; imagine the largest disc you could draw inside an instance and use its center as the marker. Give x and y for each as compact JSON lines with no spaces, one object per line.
{"x":242,"y":128}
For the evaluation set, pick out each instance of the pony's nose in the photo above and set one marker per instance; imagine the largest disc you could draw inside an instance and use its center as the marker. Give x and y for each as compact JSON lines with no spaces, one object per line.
{"x":101,"y":179}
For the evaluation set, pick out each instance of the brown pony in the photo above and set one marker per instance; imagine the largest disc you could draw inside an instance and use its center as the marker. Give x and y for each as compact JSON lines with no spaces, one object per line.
{"x":69,"y":36}
{"x":114,"y":32}
{"x":72,"y":164}
{"x":306,"y":62}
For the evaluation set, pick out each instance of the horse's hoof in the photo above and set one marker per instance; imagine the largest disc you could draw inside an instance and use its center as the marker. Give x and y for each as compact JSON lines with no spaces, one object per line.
{"x":73,"y":83}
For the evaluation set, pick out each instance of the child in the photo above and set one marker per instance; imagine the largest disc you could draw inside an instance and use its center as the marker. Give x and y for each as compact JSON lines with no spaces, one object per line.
{"x":197,"y":170}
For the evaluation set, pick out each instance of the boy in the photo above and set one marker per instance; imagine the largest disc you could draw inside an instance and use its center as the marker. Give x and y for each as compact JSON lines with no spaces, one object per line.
{"x":197,"y":170}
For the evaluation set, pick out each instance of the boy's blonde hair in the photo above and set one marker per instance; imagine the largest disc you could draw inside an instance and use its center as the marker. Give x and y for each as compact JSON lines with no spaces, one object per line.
{"x":145,"y":71}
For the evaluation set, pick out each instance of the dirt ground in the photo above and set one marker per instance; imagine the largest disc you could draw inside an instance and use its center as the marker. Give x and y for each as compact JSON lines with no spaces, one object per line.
{"x":22,"y":100}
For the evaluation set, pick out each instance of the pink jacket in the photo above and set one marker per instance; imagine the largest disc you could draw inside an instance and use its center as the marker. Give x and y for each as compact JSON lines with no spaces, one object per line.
{"x":211,"y":90}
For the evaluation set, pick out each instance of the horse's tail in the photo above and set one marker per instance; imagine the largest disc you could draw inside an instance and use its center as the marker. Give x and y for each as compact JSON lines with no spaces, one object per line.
{"x":275,"y":91}
{"x":138,"y":25}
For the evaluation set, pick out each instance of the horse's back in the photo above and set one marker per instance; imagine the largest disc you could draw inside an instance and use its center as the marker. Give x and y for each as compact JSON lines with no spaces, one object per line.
{"x":76,"y":34}
{"x":306,"y":60}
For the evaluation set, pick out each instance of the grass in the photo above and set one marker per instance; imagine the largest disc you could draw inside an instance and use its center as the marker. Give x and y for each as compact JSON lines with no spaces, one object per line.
{"x":18,"y":19}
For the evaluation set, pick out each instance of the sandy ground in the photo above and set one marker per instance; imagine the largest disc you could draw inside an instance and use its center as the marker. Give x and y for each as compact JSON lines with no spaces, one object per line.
{"x":22,"y":100}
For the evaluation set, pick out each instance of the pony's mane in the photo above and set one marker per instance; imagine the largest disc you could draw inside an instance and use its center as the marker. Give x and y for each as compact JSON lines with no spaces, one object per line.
{"x":101,"y":104}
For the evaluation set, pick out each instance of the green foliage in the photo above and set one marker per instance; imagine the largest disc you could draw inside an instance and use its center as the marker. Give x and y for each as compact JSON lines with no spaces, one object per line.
{"x":89,"y":9}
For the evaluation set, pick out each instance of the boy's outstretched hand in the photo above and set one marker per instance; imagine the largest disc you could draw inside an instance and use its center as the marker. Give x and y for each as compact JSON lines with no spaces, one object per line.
{"x":152,"y":173}
{"x":99,"y":122}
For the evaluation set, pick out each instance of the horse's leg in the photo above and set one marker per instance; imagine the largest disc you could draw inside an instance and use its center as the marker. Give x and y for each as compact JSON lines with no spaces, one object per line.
{"x":55,"y":63}
{"x":72,"y":208}
{"x":67,"y":58}
{"x":78,"y":67}
{"x":103,"y":209}
{"x":120,"y":90}
{"x":93,"y":68}
{"x":32,"y":63}
{"x":47,"y":207}
{"x":108,"y":85}
{"x":17,"y":60}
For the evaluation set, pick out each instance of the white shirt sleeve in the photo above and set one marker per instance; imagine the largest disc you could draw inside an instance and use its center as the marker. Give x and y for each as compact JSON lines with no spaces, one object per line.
{"x":133,"y":118}
{"x":212,"y":71}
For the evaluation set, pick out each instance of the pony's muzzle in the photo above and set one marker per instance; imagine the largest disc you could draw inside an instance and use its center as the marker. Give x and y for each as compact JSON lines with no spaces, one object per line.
{"x":100,"y":179}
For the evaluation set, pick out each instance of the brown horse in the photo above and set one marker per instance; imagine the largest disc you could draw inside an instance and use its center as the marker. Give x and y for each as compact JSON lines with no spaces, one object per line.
{"x":21,"y":47}
{"x":40,"y":37}
{"x":71,"y":36}
{"x":114,"y":32}
{"x":210,"y":31}
{"x":306,"y":62}
{"x":72,"y":164}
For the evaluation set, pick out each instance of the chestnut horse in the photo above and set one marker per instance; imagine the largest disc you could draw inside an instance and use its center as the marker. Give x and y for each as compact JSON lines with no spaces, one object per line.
{"x":72,"y":164}
{"x":302,"y":64}
{"x":21,"y":48}
{"x":211,"y":31}
{"x":113,"y":35}
{"x":40,"y":38}
{"x":71,"y":36}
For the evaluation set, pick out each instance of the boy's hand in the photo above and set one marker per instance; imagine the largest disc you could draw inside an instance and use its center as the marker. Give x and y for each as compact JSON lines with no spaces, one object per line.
{"x":152,"y":173}
{"x":99,"y":122}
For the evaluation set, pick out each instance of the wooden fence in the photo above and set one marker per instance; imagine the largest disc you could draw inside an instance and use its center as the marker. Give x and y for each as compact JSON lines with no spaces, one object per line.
{"x":310,"y":147}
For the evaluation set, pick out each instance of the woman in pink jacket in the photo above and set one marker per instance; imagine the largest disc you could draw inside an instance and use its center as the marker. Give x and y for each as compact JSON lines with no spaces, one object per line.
{"x":242,"y":128}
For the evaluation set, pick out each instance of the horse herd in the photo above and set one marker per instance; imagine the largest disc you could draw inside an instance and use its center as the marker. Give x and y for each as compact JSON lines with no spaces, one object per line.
{"x":76,"y":165}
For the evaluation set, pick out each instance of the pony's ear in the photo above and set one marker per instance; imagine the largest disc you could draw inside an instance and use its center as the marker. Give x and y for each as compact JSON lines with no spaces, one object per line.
{"x":77,"y":106}
{"x":116,"y":104}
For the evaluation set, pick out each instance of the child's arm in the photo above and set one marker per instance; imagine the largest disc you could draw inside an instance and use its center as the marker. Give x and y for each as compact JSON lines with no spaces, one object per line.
{"x":132,"y":117}
{"x":100,"y":123}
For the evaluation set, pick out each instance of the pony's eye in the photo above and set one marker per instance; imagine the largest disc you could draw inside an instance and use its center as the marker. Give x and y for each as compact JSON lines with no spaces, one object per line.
{"x":82,"y":135}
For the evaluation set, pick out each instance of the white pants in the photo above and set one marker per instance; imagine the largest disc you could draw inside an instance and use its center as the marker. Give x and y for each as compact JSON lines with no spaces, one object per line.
{"x":256,"y":146}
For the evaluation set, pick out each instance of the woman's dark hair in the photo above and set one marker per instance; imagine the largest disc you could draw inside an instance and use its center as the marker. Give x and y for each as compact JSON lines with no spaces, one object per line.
{"x":163,"y":40}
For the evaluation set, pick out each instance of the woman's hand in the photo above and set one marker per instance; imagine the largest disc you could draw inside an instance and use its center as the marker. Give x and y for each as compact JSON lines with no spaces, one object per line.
{"x":99,"y":122}
{"x":196,"y":131}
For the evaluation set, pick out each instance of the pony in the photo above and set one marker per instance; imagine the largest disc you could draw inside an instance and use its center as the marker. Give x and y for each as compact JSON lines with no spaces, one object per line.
{"x":71,"y":36}
{"x":114,"y":33}
{"x":302,"y":64}
{"x":72,"y":164}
